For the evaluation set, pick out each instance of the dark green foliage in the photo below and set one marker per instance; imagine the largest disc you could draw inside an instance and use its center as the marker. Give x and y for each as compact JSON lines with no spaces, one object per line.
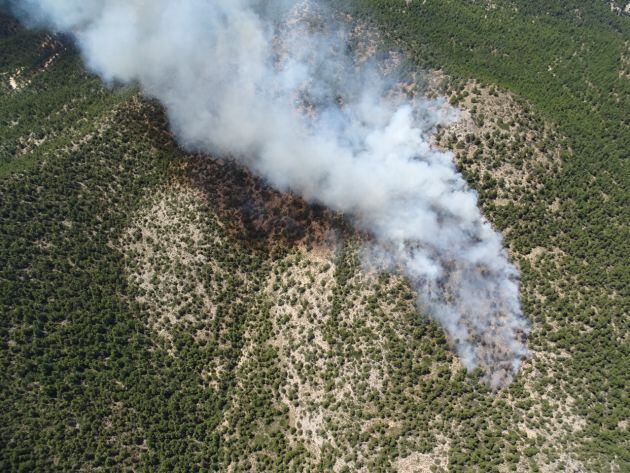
{"x":569,"y":61}
{"x":86,"y":383}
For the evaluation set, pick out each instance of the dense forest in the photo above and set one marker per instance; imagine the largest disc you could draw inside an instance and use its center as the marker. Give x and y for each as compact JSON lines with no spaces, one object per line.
{"x":164,"y":311}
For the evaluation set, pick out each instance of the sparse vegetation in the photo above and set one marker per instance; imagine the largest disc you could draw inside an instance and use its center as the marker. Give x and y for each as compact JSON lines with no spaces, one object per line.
{"x":165,"y":311}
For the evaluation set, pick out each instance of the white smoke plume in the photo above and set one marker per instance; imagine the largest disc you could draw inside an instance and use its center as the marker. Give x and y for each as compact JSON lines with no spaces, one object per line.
{"x":253,"y":80}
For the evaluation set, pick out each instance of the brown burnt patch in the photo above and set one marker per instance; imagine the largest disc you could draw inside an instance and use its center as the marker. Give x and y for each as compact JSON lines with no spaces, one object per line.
{"x":51,"y":48}
{"x":256,"y":214}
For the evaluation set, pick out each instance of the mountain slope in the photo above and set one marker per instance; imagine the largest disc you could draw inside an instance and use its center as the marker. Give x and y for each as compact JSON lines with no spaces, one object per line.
{"x":169,"y":311}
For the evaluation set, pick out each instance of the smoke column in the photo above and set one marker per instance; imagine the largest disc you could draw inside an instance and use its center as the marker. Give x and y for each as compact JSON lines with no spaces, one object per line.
{"x":273,"y":87}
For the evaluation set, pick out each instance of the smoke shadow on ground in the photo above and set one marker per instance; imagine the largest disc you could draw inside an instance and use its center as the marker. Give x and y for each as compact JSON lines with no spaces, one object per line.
{"x":258,"y":216}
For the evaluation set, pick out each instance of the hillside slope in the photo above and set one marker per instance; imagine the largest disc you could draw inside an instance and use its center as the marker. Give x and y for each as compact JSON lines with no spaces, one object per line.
{"x":166,"y":311}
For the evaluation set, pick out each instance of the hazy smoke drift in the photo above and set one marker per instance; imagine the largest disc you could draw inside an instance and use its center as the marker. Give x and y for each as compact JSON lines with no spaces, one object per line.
{"x":254,"y":81}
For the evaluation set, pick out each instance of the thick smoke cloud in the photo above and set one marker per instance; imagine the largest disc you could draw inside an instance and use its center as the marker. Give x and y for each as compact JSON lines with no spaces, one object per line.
{"x":272,"y":86}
